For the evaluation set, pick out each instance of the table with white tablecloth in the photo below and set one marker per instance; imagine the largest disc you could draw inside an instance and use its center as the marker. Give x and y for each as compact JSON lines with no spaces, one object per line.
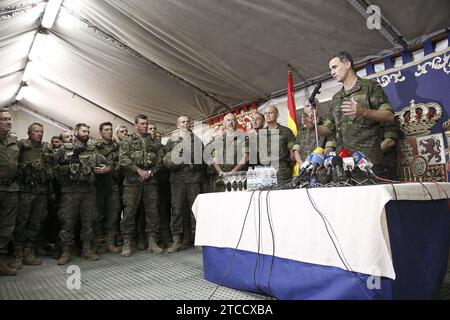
{"x":362,"y":242}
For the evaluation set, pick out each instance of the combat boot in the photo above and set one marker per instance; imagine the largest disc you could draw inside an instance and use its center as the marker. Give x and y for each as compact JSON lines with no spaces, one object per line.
{"x":153,"y":246}
{"x":5,"y":270}
{"x":165,"y":244}
{"x":87,"y":253}
{"x":176,"y":245}
{"x":126,"y":249}
{"x":29,"y":258}
{"x":66,"y":255}
{"x":110,"y":246}
{"x":18,"y":259}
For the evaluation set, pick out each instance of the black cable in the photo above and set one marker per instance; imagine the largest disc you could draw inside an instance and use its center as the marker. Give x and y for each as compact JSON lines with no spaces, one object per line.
{"x":269,"y":219}
{"x":429,"y":193}
{"x":395,"y":192}
{"x":258,"y":244}
{"x":325,"y":221}
{"x":342,"y":258}
{"x":235,"y":249}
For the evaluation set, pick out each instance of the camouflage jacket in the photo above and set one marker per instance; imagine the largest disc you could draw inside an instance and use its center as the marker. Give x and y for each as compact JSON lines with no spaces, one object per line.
{"x":9,"y":164}
{"x":185,"y":168}
{"x":140,"y":152}
{"x":305,"y":142}
{"x":75,"y":165}
{"x":286,"y":143}
{"x":357,"y":133}
{"x":221,"y":147}
{"x":109,"y":153}
{"x":35,"y":166}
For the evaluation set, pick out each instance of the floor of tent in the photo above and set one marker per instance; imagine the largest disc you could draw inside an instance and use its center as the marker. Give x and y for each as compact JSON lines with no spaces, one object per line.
{"x":177,"y":276}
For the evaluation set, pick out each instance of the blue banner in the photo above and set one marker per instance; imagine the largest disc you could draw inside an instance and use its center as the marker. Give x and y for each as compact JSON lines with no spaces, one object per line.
{"x":421,"y":85}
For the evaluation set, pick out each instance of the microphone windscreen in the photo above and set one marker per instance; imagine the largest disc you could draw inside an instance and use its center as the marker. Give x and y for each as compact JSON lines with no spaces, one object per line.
{"x":336,"y":161}
{"x":319,"y":150}
{"x":344,"y":153}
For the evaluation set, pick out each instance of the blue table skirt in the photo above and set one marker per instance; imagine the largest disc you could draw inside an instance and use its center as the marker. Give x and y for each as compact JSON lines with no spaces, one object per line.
{"x":419,"y":237}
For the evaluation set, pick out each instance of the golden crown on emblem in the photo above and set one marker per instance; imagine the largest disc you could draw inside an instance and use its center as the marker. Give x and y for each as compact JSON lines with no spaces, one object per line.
{"x":418,"y":119}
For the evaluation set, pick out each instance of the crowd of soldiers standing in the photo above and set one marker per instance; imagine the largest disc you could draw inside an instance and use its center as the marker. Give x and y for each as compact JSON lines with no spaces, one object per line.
{"x":81,"y":192}
{"x":83,"y":189}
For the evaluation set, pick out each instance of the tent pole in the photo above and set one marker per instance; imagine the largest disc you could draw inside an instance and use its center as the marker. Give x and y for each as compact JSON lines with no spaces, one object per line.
{"x":387,"y":29}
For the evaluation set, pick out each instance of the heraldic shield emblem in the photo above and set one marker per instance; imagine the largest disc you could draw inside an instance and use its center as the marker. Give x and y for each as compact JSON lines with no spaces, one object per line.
{"x":421,"y":155}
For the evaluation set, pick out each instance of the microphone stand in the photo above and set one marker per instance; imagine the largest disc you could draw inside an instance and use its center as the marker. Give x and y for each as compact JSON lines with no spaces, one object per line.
{"x":312,"y":102}
{"x":313,"y":107}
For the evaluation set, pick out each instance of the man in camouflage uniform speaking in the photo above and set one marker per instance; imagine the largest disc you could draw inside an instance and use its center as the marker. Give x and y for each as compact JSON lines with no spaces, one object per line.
{"x":187,"y":172}
{"x":140,"y":158}
{"x":35,"y":174}
{"x":357,"y":111}
{"x":107,"y":186}
{"x":9,"y":161}
{"x":75,"y":163}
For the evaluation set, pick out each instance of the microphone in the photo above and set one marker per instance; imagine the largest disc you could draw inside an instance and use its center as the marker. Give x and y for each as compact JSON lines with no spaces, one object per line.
{"x":308,"y":161}
{"x":328,"y":165}
{"x":337,"y":164}
{"x":296,"y":180}
{"x":344,"y":153}
{"x":347,"y":159}
{"x":362,"y":162}
{"x":318,"y":150}
{"x":317,"y":161}
{"x":306,"y":166}
{"x":315,"y":92}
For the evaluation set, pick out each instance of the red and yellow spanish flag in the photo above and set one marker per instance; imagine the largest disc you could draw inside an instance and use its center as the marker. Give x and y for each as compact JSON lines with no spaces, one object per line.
{"x":292,"y":119}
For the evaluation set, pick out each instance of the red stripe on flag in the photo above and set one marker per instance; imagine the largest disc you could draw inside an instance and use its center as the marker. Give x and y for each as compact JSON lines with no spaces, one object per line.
{"x":291,"y":100}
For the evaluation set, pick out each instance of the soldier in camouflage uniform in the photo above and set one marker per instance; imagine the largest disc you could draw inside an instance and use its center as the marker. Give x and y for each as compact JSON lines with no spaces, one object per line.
{"x":186,"y":175}
{"x":9,"y":163}
{"x":164,"y":208}
{"x":286,"y":141}
{"x":228,"y":138}
{"x":121,"y":132}
{"x":305,"y":142}
{"x":140,"y":158}
{"x":75,"y":163}
{"x":50,"y":227}
{"x":35,"y":174}
{"x":107,"y":187}
{"x":357,"y":111}
{"x":258,"y":123}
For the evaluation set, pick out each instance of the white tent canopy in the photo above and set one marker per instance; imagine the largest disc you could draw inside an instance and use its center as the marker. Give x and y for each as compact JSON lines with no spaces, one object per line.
{"x":108,"y":60}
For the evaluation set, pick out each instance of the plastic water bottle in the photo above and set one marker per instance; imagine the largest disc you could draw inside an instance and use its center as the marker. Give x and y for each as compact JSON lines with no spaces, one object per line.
{"x":267,"y":179}
{"x":258,"y":182}
{"x":273,"y":176}
{"x":250,"y":179}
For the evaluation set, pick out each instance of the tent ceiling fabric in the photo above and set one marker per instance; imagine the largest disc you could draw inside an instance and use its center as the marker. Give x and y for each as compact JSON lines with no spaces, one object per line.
{"x":235,"y":50}
{"x":416,"y":18}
